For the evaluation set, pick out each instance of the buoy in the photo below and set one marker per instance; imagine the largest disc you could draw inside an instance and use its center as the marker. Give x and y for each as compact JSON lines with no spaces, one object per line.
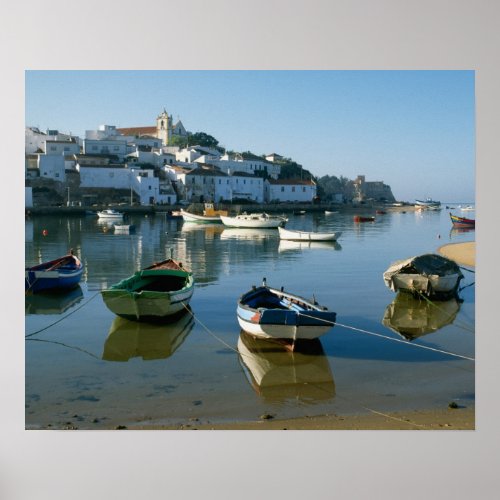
{"x":439,"y":236}
{"x":45,"y":232}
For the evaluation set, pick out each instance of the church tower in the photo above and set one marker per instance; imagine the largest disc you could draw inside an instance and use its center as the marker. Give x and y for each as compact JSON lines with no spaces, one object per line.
{"x":164,"y":127}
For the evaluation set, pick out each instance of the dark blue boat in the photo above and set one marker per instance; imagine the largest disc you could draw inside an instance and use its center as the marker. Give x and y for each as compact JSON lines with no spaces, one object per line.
{"x":60,"y":274}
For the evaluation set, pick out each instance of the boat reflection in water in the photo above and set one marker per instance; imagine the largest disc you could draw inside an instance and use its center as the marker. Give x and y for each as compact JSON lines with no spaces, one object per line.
{"x":287,"y":245}
{"x":277,"y":373}
{"x":411,"y":317}
{"x":52,"y":302}
{"x":131,"y":339}
{"x":456,"y":231}
{"x":248,"y":233}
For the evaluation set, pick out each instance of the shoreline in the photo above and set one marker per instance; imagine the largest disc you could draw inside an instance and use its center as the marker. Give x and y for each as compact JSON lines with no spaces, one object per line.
{"x":461,"y":418}
{"x":462,"y":253}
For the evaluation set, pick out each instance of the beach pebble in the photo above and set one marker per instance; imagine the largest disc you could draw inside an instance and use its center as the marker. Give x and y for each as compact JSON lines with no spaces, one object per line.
{"x":266,"y":416}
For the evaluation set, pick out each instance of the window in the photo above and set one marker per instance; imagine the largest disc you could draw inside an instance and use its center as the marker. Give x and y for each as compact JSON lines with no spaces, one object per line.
{"x":116,"y":148}
{"x":303,"y":189}
{"x":53,"y":148}
{"x":66,"y":148}
{"x":282,"y":189}
{"x":293,"y":189}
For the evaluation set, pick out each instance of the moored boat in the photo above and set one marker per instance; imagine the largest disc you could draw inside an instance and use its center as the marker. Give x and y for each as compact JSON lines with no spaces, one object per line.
{"x":462,"y":221}
{"x":286,"y":234}
{"x":210,"y":215}
{"x":254,"y":220}
{"x":427,"y":203}
{"x":157,"y":293}
{"x":266,"y":312}
{"x":63,"y":273}
{"x":110,"y":214}
{"x":360,"y":218}
{"x":429,"y":274}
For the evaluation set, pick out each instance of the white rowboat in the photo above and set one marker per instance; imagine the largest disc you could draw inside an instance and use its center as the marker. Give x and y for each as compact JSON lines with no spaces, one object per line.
{"x":286,"y":234}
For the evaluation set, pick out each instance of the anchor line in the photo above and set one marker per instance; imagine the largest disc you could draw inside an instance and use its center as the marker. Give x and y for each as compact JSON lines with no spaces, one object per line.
{"x":63,"y":318}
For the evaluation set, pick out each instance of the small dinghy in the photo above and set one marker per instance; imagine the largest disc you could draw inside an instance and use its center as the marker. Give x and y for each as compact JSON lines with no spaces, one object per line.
{"x":59,"y":274}
{"x":429,"y":274}
{"x":265,"y":312}
{"x":157,"y":293}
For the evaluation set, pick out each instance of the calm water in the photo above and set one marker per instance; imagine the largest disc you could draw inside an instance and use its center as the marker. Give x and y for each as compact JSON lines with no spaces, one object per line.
{"x":89,"y":369}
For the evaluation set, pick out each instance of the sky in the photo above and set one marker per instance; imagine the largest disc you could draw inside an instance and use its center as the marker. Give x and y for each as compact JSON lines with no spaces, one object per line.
{"x":413,"y":130}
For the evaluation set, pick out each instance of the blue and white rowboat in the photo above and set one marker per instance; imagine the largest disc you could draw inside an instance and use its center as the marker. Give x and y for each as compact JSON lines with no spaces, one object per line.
{"x":265,"y":312}
{"x":63,"y":273}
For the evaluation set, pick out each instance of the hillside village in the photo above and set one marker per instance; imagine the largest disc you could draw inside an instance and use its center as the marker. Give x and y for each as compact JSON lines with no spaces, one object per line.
{"x":144,"y":166}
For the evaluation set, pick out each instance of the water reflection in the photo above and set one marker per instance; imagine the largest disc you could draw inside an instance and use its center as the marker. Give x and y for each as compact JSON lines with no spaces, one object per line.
{"x":248,"y":234}
{"x":412,"y":318}
{"x":52,"y":303}
{"x":457,"y":231}
{"x":287,"y":245}
{"x":278,"y":374}
{"x":131,"y":339}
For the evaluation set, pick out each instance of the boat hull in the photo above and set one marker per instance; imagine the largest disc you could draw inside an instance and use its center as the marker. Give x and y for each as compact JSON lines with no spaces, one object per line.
{"x":60,"y":274}
{"x":430,"y":275}
{"x":156,"y":293}
{"x":286,"y":234}
{"x":462,"y":221}
{"x":253,"y":222}
{"x":189,"y":217}
{"x":285,"y":321}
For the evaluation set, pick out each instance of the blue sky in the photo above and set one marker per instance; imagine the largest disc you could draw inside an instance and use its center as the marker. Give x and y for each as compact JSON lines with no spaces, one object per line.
{"x":414,"y":130}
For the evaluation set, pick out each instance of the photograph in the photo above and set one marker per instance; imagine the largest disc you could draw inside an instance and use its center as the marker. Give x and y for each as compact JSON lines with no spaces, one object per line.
{"x":250,"y":250}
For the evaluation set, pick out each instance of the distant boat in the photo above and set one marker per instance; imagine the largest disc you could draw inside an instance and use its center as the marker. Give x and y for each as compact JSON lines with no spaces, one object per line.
{"x":209,"y":214}
{"x":462,"y":222}
{"x":63,"y":273}
{"x":299,"y":212}
{"x":286,"y":234}
{"x":359,"y":218}
{"x":268,"y":313}
{"x":155,"y":293}
{"x":330,"y":212}
{"x":429,"y":274}
{"x":190,"y":217}
{"x":427,"y":203}
{"x":109,"y":214}
{"x":254,"y":220}
{"x":380,"y":212}
{"x":468,"y":208}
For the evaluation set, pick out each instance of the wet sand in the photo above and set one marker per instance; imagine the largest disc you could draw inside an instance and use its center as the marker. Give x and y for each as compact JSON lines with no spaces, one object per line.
{"x":461,"y":253}
{"x":449,"y":419}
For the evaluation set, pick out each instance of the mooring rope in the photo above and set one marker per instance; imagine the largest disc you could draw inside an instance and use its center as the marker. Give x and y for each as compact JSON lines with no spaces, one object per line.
{"x":63,"y":318}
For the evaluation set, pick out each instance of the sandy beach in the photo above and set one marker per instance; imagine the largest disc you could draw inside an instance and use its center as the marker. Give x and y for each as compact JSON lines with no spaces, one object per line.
{"x":462,"y":253}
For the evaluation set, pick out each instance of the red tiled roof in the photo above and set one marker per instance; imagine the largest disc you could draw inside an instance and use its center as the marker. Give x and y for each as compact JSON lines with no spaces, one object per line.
{"x":288,"y":182}
{"x":137,"y":131}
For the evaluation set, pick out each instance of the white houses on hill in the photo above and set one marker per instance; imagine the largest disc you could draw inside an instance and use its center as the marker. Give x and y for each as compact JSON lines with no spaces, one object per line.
{"x":290,"y":190}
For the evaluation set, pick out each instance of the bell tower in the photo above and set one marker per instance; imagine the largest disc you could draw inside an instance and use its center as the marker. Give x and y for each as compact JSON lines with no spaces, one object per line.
{"x":164,"y":127}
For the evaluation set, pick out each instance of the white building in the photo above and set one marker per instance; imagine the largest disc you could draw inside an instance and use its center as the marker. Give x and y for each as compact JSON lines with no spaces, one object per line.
{"x":34,"y":139}
{"x":289,"y":190}
{"x":51,"y":167}
{"x":116,"y":148}
{"x":56,"y":147}
{"x":141,"y":181}
{"x":208,"y":184}
{"x":248,"y":163}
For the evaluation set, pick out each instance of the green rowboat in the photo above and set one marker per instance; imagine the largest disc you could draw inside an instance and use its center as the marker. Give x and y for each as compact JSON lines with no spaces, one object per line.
{"x":158,"y":292}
